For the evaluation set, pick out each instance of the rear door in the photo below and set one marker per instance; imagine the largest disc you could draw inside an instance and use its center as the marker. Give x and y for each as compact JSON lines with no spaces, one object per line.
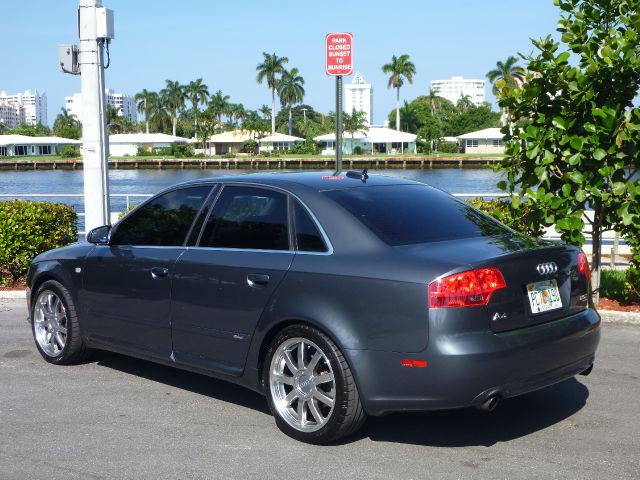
{"x":127,"y":284}
{"x":221,"y":287}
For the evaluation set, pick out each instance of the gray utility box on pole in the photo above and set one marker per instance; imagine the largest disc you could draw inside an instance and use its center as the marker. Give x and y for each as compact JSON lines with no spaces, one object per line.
{"x":68,"y":58}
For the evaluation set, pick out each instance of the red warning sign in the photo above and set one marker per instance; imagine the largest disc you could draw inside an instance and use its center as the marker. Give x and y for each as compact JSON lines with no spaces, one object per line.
{"x":339,"y":54}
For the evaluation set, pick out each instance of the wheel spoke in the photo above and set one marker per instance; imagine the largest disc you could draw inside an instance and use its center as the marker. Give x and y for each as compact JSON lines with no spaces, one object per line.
{"x":62,"y":329}
{"x":291,"y":396}
{"x":60,"y":340}
{"x":323,"y":397}
{"x":288,"y":359}
{"x":323,"y":378}
{"x":314,"y":361}
{"x":281,"y":378}
{"x":50,"y":302}
{"x":315,"y":411}
{"x":301,"y":355}
{"x":301,"y":414}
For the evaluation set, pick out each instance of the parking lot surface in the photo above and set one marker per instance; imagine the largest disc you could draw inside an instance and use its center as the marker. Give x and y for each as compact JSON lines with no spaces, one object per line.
{"x":115,"y":417}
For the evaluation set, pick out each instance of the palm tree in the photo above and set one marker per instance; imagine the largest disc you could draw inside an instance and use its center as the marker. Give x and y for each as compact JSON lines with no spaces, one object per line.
{"x":198,"y":92}
{"x":509,"y":71}
{"x":114,"y":119}
{"x":237,"y":113}
{"x":219,"y":104}
{"x":265,"y":111}
{"x":158,"y":116}
{"x":143,"y":106}
{"x":291,"y":91}
{"x":464,"y":103}
{"x":65,"y":125}
{"x":271,"y":66}
{"x":435,"y":101}
{"x":206,"y":127}
{"x":400,"y":69}
{"x":174,"y":95}
{"x":354,"y":123}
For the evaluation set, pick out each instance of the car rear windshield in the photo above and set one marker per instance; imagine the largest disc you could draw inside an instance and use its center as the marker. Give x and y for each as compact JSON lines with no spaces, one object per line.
{"x":405,"y":214}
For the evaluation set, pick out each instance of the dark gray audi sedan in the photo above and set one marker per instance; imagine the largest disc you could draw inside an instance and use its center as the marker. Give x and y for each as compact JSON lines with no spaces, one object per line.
{"x":336,"y":296}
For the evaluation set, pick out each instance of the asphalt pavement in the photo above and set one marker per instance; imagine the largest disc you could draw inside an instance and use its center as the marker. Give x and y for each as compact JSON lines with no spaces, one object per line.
{"x":115,"y":417}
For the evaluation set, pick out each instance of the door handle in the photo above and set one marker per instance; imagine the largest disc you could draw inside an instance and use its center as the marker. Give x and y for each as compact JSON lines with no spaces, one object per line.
{"x":257,"y":279}
{"x":159,"y":272}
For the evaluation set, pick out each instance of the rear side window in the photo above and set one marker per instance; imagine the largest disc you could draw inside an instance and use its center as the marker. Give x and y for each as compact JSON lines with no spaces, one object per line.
{"x":405,"y":214}
{"x":164,"y":221}
{"x":248,"y":217}
{"x":308,"y":238}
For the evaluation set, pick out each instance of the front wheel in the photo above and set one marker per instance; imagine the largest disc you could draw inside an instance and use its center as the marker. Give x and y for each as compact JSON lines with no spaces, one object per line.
{"x":56,"y":328}
{"x":310,"y":387}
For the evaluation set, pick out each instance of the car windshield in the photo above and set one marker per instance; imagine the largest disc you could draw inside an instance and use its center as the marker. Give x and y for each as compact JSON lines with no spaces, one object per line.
{"x":406,"y":214}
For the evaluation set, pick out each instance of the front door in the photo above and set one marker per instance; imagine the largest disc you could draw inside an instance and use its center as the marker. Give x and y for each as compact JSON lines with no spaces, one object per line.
{"x":126,"y":295}
{"x":221,"y":287}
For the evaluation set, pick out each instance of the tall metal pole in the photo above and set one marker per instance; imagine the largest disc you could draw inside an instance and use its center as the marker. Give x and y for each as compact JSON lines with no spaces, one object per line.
{"x":94,"y":128}
{"x":338,"y":124}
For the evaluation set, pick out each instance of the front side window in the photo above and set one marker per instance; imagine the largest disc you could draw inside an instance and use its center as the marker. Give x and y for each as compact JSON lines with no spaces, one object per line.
{"x":248,"y":218}
{"x":164,"y":221}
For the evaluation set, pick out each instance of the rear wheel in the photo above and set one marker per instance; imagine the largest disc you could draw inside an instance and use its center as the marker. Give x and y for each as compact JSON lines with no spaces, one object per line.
{"x":310,"y":387}
{"x":55,"y":325}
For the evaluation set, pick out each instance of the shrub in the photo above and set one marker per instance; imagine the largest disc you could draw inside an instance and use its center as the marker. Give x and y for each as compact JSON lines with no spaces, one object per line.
{"x":180,"y":150}
{"x":357,"y":151}
{"x":265,"y":153}
{"x":631,"y":291}
{"x":250,"y":146}
{"x":69,"y":151}
{"x":612,"y":284}
{"x":525,"y":219}
{"x":448,"y":147}
{"x":229,"y":155}
{"x":28,"y":229}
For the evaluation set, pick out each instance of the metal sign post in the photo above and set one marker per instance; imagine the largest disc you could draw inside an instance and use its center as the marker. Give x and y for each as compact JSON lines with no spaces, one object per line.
{"x":338,"y":62}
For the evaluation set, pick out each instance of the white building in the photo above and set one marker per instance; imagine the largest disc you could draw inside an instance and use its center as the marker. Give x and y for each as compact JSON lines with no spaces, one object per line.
{"x":358,"y":96}
{"x":127,"y":144}
{"x":34,"y":103}
{"x":11,"y":115}
{"x":458,"y":87}
{"x":488,"y":140}
{"x":371,"y":141}
{"x":124,"y":104}
{"x":22,"y":145}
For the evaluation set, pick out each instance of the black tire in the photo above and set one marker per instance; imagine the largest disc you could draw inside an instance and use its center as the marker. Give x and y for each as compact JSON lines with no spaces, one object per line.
{"x":346,"y":415}
{"x":74,"y":349}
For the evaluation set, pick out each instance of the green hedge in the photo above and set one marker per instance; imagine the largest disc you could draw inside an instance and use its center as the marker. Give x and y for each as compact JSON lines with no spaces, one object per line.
{"x":525,"y":219}
{"x":28,"y":229}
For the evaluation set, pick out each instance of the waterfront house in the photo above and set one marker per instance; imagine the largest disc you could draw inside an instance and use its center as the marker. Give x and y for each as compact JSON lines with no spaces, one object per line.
{"x":371,"y":140}
{"x":23,"y":145}
{"x":127,"y":144}
{"x":226,"y":142}
{"x":488,"y":140}
{"x":278,"y":142}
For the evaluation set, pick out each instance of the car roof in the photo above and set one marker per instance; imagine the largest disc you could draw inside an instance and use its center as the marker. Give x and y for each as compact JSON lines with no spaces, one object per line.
{"x":320,"y":180}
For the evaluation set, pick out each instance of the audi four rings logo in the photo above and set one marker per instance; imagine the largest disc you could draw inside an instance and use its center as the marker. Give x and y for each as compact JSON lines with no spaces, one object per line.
{"x":547,"y":268}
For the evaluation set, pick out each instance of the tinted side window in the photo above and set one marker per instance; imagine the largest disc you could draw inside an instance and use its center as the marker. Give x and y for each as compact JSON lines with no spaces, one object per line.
{"x":308,"y":237}
{"x":248,"y":217}
{"x":164,"y":221}
{"x":404,"y":214}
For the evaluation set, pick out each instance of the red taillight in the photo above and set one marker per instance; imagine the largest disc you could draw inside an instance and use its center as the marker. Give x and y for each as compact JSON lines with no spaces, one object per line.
{"x":583,"y":266}
{"x":465,"y":289}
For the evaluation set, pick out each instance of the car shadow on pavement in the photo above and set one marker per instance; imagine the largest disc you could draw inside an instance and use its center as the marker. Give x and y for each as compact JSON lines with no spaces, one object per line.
{"x":193,"y":382}
{"x":513,"y":418}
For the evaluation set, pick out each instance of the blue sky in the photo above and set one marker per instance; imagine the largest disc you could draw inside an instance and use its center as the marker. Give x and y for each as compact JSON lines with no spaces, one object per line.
{"x":223,"y":41}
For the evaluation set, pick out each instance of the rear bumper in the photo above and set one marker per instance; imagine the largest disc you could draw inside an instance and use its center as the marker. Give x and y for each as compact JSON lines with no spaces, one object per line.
{"x":465,"y":369}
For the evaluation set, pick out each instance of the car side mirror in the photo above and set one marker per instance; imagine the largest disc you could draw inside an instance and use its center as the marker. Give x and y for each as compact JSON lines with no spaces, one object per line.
{"x":99,"y":235}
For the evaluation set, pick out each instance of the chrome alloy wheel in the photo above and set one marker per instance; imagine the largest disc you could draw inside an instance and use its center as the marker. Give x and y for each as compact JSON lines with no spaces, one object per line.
{"x":50,"y":323}
{"x":302,"y":384}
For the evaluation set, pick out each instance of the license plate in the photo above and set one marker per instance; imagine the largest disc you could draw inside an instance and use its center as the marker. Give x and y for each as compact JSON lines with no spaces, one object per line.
{"x":544,"y":296}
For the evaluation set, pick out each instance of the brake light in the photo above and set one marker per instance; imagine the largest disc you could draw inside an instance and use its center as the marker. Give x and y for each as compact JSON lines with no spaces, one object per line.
{"x":465,"y":289}
{"x":583,"y":266}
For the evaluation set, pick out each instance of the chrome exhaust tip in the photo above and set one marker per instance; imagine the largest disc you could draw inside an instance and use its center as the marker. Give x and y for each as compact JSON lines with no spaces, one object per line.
{"x":489,"y":404}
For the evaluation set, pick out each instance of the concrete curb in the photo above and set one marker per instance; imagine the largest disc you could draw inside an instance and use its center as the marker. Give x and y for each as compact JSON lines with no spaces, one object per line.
{"x":608,"y":316}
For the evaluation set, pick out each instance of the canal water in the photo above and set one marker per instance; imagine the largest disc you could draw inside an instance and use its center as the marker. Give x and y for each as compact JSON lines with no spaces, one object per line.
{"x":33,"y":182}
